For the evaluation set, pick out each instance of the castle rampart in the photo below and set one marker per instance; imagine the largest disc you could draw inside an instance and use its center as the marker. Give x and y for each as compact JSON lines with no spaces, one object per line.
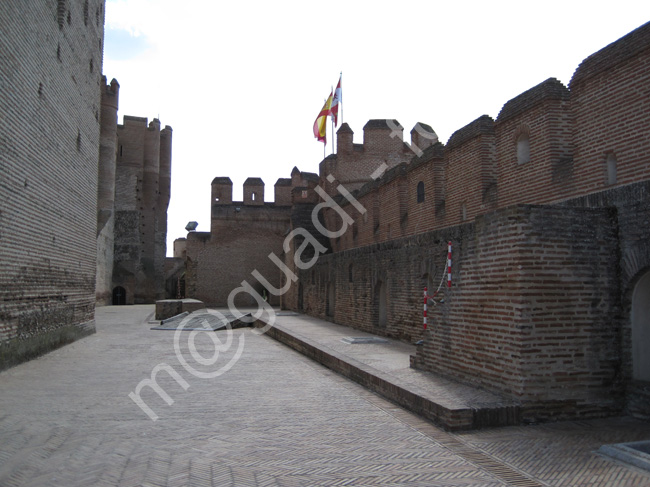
{"x":242,"y":234}
{"x":547,"y":210}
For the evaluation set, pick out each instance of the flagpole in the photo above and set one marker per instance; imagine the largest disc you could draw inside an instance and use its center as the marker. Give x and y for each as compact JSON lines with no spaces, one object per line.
{"x":341,"y":99}
{"x":333,"y":147}
{"x":332,"y":120}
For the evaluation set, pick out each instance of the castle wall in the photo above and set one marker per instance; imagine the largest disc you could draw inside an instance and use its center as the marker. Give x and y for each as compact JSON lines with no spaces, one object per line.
{"x":611,"y":113}
{"x":574,"y":137}
{"x":543,"y":115}
{"x":50,"y":135}
{"x":541,"y":305}
{"x":353,"y":164}
{"x":470,"y":170}
{"x":242,"y":235}
{"x":527,"y":315}
{"x":241,"y":239}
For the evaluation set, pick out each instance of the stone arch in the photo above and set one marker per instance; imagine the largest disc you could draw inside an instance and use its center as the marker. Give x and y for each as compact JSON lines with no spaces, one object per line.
{"x":640,"y":325}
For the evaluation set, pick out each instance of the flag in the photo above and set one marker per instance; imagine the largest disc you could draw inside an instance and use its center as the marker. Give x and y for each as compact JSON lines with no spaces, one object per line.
{"x":321,"y":120}
{"x":334,"y":111}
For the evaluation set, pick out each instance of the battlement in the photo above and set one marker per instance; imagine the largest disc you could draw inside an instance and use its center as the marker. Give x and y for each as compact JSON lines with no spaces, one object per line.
{"x":129,"y":120}
{"x":383,"y":139}
{"x":548,"y":144}
{"x":254,"y":192}
{"x":110,"y":93}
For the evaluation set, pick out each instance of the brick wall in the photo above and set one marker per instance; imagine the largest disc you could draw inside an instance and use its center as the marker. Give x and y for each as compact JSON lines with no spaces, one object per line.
{"x":611,"y":112}
{"x":470,"y":171}
{"x":533,"y":311}
{"x":50,"y":104}
{"x":354,"y":163}
{"x":543,"y":115}
{"x":572,"y":134}
{"x":541,"y":305}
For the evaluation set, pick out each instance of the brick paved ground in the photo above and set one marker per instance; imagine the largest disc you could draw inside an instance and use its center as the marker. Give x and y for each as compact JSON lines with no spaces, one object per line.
{"x":275,"y":418}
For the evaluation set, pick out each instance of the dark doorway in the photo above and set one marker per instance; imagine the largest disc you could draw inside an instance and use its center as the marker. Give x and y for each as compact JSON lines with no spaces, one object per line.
{"x":119,"y":296}
{"x":331,"y":300}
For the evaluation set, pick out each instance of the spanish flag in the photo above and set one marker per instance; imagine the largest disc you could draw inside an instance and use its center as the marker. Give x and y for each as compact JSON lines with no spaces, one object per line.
{"x":321,"y":120}
{"x":338,"y":98}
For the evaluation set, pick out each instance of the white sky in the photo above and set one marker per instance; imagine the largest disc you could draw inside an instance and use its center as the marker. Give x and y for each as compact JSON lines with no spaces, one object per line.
{"x":241,"y":82}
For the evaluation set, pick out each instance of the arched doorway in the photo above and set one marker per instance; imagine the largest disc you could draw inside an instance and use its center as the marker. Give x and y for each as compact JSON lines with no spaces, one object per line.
{"x":641,"y":329}
{"x":119,"y":296}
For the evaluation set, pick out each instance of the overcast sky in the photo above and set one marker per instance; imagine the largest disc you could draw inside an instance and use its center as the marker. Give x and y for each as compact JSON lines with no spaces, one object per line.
{"x":241,"y":82}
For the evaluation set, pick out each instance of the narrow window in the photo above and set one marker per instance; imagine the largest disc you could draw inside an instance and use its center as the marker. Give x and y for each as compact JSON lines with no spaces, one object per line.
{"x":253,"y":196}
{"x":420,"y":192}
{"x":523,"y":149}
{"x":351,"y":273}
{"x":463,"y":211}
{"x":611,"y":169}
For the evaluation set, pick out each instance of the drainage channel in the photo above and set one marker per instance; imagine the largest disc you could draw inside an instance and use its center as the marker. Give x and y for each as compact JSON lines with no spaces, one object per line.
{"x":503,"y":472}
{"x":498,"y":469}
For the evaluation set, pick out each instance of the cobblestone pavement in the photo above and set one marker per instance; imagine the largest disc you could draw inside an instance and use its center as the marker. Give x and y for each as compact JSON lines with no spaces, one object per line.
{"x":270,"y":418}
